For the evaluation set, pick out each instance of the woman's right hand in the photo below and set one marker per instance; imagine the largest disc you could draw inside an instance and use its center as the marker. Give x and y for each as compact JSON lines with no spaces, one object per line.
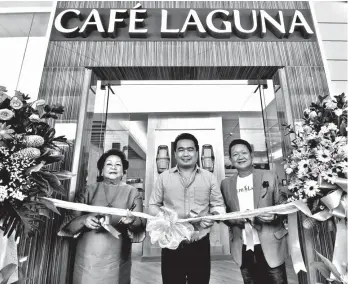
{"x":92,"y":222}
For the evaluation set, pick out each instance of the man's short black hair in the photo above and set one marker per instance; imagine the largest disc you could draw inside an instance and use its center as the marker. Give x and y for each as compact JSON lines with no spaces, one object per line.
{"x":187,"y":136}
{"x":237,"y":142}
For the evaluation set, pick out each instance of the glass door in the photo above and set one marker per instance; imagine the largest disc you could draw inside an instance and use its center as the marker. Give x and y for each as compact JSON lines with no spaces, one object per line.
{"x":274,"y":138}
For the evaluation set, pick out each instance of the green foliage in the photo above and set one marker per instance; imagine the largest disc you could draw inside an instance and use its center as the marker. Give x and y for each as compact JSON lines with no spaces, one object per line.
{"x":27,"y":145}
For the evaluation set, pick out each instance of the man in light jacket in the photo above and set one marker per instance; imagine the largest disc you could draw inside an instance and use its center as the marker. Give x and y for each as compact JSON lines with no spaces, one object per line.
{"x":258,"y":246}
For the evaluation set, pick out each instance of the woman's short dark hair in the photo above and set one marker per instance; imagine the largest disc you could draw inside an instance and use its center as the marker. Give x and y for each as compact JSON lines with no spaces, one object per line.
{"x":238,"y":142}
{"x":112,"y":152}
{"x":186,"y":136}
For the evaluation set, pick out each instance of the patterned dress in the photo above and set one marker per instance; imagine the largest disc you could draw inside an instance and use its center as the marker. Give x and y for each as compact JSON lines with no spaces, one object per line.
{"x":100,"y":257}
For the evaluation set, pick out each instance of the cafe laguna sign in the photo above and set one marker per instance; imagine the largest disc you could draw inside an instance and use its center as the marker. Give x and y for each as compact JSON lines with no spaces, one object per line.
{"x":182,"y":24}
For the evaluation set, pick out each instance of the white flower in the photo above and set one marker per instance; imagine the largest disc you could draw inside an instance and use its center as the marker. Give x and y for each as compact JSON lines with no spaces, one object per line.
{"x":326,"y":142}
{"x":343,"y":165}
{"x":323,"y":130}
{"x":342,"y":151}
{"x":315,"y":168}
{"x":341,"y":140}
{"x":40,"y":102}
{"x":332,"y":126}
{"x":288,"y":171}
{"x":312,"y":115}
{"x":297,"y":154}
{"x":293,"y":165}
{"x":323,"y":155}
{"x":293,"y":186}
{"x":303,"y":166}
{"x":34,"y":118}
{"x":18,"y":195}
{"x":302,"y":174}
{"x":315,"y":172}
{"x":331,"y":104}
{"x":3,"y":193}
{"x":16,"y":103}
{"x":37,"y":103}
{"x":330,"y":176}
{"x":298,"y":126}
{"x":308,"y":129}
{"x":312,"y":136}
{"x":338,"y":112}
{"x":290,"y":199}
{"x":344,"y":278}
{"x":311,"y":188}
{"x":6,"y":114}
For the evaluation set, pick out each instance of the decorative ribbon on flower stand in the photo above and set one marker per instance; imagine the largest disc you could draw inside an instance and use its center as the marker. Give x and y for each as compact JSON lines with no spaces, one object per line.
{"x":336,"y":202}
{"x":339,"y":258}
{"x":294,"y":244}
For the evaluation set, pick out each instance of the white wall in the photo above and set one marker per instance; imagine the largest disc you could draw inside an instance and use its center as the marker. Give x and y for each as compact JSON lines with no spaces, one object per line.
{"x":23,"y":44}
{"x":332,"y":25}
{"x":195,"y":97}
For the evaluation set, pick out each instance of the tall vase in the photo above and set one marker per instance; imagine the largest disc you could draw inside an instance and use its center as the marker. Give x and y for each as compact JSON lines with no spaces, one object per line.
{"x":162,"y":159}
{"x":208,"y":157}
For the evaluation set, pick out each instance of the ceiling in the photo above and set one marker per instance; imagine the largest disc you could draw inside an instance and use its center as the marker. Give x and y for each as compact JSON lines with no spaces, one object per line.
{"x":186,"y":73}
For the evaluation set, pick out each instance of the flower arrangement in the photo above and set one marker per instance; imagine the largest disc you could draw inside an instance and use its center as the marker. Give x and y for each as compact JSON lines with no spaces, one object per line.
{"x":319,"y":151}
{"x":27,"y":145}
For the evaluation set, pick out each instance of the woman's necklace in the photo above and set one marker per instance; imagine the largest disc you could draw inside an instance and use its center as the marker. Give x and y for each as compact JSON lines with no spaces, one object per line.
{"x":109,"y":204}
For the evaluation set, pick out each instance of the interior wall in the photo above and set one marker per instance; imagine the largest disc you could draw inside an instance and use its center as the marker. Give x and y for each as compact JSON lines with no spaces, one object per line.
{"x":137,"y":168}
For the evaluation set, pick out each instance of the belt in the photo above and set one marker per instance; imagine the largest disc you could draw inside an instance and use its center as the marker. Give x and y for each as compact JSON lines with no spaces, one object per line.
{"x":187,"y":243}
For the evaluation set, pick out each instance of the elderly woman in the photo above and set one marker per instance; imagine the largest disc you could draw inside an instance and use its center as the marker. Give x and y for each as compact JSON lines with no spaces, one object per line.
{"x":100,"y":256}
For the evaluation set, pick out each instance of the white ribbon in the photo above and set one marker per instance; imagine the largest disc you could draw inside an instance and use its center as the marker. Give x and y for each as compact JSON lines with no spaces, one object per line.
{"x":294,"y":244}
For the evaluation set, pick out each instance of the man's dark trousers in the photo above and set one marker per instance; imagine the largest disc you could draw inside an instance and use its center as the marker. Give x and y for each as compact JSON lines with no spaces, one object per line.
{"x":255,"y":269}
{"x":189,"y":261}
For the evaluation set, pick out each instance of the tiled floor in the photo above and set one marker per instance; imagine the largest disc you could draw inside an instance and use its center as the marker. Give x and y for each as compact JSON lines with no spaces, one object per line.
{"x":222,"y":272}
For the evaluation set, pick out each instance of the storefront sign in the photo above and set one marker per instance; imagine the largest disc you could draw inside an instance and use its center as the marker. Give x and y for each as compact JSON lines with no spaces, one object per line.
{"x":182,"y":24}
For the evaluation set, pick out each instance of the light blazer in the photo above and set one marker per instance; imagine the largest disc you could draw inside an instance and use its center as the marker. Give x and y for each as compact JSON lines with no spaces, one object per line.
{"x":272,"y":235}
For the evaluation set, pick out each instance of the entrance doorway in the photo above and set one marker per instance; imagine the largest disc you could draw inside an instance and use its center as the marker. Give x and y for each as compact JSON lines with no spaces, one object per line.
{"x":135,"y":116}
{"x":138,"y":117}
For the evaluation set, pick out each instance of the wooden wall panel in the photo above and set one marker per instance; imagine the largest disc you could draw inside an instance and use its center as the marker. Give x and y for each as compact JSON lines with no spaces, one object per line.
{"x":63,"y":86}
{"x":58,"y":86}
{"x":183,"y":53}
{"x":305,"y":84}
{"x":299,"y":87}
{"x":188,"y":4}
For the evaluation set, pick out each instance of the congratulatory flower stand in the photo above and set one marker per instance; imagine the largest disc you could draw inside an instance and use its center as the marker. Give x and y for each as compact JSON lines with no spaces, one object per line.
{"x":28,"y":147}
{"x":317,"y":170}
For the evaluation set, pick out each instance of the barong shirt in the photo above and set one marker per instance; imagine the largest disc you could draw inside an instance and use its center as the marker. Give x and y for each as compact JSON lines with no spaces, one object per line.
{"x":199,"y":196}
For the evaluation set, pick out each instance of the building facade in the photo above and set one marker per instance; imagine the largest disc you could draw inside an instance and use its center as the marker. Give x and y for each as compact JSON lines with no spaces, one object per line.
{"x":162,"y":73}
